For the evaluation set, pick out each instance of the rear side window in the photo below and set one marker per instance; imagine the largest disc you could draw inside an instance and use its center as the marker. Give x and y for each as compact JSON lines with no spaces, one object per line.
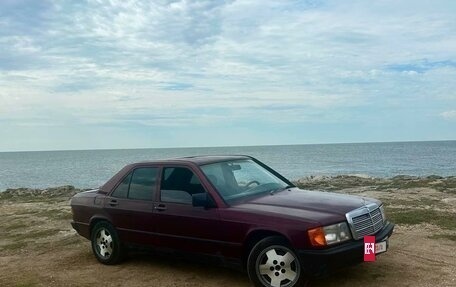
{"x":139,"y":184}
{"x":143,"y":183}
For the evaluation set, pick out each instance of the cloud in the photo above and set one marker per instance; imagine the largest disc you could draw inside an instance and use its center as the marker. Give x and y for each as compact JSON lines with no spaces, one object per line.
{"x":449,"y":115}
{"x":130,"y":63}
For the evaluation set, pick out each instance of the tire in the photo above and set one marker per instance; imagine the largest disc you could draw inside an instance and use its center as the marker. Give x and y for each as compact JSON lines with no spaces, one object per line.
{"x":273,"y":263}
{"x":106,"y":245}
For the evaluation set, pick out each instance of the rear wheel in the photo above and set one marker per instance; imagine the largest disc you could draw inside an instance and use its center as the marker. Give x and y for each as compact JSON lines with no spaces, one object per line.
{"x":106,"y":245}
{"x":273,"y":263}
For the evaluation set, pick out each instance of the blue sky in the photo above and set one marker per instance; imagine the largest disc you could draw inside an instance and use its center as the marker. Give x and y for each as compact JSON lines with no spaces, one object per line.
{"x":126,"y":74}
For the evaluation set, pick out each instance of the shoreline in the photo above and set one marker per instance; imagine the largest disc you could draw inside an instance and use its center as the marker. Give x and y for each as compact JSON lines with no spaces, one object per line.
{"x":312,"y":182}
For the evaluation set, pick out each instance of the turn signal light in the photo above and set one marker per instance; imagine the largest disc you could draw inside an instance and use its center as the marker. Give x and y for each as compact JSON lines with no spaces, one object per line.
{"x":317,"y":236}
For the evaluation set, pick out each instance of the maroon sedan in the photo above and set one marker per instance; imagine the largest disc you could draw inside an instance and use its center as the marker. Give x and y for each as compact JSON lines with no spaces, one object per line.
{"x":233,"y":207}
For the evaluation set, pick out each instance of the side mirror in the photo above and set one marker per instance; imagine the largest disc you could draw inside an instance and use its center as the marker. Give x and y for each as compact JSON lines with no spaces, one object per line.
{"x":203,"y":199}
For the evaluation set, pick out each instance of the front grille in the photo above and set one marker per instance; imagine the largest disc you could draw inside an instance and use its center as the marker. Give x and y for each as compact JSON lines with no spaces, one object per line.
{"x":366,"y":220}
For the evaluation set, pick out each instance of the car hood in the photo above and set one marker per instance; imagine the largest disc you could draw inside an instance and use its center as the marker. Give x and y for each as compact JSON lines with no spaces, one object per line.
{"x":313,"y":202}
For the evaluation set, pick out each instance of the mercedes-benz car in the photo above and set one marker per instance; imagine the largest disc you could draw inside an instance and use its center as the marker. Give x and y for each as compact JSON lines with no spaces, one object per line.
{"x":232,"y":207}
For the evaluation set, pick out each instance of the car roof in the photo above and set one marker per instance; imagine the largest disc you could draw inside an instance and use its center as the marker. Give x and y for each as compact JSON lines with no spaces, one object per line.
{"x":198,"y":159}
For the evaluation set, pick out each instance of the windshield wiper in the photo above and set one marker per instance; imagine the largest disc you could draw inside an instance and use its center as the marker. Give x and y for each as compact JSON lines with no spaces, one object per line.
{"x":280,"y":189}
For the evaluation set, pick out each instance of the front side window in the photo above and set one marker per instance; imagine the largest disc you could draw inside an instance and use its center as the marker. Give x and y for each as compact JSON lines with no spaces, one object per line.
{"x":239,"y":178}
{"x":139,"y":184}
{"x":178,"y":184}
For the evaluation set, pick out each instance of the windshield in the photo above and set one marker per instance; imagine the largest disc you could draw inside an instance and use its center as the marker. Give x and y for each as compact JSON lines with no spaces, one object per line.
{"x":240,"y":178}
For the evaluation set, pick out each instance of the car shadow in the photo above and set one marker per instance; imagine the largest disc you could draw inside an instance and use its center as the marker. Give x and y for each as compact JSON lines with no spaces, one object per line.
{"x":218,"y":271}
{"x":190,"y":263}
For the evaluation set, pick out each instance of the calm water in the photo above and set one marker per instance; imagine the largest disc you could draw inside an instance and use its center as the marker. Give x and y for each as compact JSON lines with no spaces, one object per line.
{"x":92,"y":168}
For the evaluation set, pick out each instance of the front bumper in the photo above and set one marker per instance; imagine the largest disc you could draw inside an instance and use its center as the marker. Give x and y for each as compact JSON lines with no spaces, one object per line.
{"x":322,"y":261}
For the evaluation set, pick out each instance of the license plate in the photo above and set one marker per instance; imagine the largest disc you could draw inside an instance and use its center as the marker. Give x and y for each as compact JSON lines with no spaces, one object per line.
{"x":380,"y":247}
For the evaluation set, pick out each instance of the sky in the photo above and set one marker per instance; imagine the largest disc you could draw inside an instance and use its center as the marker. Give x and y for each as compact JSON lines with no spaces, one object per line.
{"x":134,"y":74}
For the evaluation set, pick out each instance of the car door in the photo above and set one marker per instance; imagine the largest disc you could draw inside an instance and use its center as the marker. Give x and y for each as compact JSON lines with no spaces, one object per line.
{"x":181,"y":225}
{"x":131,"y":206}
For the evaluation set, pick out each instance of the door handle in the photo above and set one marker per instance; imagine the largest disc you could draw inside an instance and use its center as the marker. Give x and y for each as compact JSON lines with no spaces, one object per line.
{"x":113,"y":202}
{"x":160,"y":207}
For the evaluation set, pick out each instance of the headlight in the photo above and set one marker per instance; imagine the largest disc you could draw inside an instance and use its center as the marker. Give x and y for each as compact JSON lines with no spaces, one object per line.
{"x":382,"y":210}
{"x":336,"y":233}
{"x":328,"y":235}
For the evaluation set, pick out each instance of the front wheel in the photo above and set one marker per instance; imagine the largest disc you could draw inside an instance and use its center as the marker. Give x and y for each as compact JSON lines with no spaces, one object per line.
{"x":106,"y":245}
{"x":272,"y":263}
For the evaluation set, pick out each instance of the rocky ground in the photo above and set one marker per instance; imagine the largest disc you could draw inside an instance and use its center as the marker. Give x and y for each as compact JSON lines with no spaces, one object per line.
{"x":39,"y":248}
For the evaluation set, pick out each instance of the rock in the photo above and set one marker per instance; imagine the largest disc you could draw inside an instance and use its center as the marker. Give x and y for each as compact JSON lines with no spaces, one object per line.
{"x":326,"y":182}
{"x":433,"y":176}
{"x":66,"y":190}
{"x":404,"y":177}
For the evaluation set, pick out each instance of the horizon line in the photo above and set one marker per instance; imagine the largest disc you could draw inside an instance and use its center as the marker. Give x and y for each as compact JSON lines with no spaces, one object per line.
{"x":228,"y":146}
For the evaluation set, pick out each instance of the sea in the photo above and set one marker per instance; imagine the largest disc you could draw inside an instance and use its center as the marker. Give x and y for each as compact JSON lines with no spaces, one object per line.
{"x":91,"y":168}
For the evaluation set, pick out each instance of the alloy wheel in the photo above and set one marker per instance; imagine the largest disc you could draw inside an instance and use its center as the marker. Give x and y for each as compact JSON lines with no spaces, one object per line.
{"x":104,"y":243}
{"x":277,"y":266}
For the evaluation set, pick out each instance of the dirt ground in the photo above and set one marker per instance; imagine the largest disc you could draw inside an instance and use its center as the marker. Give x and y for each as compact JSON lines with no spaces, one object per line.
{"x":39,"y":248}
